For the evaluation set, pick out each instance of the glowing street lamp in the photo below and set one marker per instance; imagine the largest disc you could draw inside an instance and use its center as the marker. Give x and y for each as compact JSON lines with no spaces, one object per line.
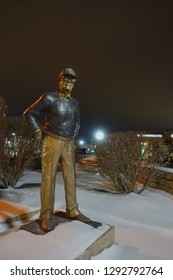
{"x":99,"y":135}
{"x":81,"y":142}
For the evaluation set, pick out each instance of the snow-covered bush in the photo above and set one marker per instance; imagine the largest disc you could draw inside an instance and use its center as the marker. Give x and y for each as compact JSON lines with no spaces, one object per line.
{"x":124,"y":158}
{"x":17,"y":149}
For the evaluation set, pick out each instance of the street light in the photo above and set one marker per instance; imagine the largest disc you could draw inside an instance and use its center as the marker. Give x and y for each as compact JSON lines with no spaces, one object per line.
{"x":99,"y":135}
{"x":81,"y":142}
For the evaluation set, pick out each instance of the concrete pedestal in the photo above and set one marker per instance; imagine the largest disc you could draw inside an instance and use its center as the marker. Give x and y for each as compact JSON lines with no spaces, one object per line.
{"x":68,"y":241}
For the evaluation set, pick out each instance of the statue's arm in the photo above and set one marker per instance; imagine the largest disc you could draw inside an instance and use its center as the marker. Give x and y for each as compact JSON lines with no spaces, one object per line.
{"x":32,"y":114}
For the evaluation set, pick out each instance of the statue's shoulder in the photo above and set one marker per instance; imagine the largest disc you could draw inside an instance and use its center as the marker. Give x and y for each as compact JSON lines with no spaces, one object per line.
{"x":49,"y":96}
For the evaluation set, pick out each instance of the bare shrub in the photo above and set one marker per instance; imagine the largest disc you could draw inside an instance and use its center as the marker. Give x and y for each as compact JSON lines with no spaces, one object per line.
{"x":17,"y":148}
{"x":125,"y":157}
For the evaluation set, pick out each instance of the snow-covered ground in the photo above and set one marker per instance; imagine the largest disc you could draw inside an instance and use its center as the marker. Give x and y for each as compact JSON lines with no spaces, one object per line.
{"x":143,"y":223}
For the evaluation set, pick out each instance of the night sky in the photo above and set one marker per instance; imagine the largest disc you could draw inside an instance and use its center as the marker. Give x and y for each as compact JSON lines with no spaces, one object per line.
{"x":122,"y":52}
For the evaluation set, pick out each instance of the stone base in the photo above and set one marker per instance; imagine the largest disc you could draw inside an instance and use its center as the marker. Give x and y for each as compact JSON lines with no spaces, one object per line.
{"x":101,"y":243}
{"x":72,"y":240}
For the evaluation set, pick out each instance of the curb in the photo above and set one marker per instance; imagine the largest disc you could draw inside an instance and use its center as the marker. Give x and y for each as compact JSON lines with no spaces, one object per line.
{"x":25,"y":218}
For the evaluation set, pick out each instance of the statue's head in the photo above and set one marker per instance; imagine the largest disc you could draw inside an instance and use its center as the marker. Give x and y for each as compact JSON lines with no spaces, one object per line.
{"x":66,"y":80}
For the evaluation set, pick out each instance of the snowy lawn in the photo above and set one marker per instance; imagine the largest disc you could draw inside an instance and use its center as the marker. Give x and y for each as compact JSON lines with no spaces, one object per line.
{"x":143,"y":223}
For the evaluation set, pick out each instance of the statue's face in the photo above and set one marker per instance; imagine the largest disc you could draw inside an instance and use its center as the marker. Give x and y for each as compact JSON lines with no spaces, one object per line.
{"x":65,"y":85}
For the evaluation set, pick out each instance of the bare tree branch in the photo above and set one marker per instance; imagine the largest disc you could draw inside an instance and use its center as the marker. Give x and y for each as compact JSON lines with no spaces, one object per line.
{"x":17,"y":149}
{"x":124,"y":158}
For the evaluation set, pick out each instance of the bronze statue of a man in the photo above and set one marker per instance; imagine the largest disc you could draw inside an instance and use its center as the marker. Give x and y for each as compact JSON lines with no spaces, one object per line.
{"x":57,"y":131}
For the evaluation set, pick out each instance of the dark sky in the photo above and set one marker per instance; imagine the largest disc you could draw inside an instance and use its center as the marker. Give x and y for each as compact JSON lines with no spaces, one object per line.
{"x":122,"y":52}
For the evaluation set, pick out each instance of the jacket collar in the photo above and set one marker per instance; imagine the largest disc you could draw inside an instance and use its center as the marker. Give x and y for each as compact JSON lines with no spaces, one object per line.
{"x":64,"y":96}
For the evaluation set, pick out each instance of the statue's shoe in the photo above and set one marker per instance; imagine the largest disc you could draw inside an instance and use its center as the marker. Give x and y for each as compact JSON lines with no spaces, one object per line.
{"x":44,"y":225}
{"x":45,"y":220}
{"x":75,"y":214}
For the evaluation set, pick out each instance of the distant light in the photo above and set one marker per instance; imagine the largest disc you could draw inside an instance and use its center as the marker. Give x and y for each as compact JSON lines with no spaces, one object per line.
{"x":151,"y":135}
{"x":99,"y":135}
{"x":81,"y":142}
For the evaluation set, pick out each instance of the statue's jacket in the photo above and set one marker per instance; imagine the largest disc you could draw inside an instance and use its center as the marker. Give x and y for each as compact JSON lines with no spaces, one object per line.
{"x":59,"y":117}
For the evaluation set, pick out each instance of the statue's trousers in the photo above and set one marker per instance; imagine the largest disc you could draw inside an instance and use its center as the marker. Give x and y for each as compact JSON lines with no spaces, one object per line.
{"x":53,"y":151}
